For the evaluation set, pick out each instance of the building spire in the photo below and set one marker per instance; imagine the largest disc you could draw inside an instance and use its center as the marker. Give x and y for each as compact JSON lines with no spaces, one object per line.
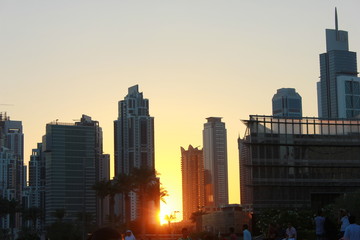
{"x":336,"y":20}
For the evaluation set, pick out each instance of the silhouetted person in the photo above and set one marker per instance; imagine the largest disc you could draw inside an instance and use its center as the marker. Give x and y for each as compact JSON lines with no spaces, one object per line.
{"x":232,"y":234}
{"x":352,"y":232}
{"x":290,"y":232}
{"x":246,"y":232}
{"x":344,"y":221}
{"x":319,"y":226}
{"x":185,"y":234}
{"x":129,"y":235}
{"x":271,"y":233}
{"x":105,"y":233}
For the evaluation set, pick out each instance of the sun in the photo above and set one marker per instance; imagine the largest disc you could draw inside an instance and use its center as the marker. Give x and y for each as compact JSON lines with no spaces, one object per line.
{"x":166,"y":211}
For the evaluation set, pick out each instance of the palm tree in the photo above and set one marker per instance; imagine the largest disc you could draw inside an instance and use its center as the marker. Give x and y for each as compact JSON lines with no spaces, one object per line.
{"x":112,"y":189}
{"x":126,"y":185}
{"x":147,"y":187}
{"x":102,"y":190}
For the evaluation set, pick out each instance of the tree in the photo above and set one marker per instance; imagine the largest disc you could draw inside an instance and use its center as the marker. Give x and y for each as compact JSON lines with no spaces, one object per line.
{"x":147,"y":187}
{"x":350,"y":202}
{"x":301,"y":219}
{"x":126,"y":185}
{"x":102,"y":190}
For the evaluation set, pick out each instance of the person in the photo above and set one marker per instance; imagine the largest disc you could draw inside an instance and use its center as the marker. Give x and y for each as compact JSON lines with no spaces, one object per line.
{"x":290,"y":232}
{"x":232,"y":233}
{"x":246,"y":232}
{"x":185,"y":234}
{"x":352,"y":232}
{"x":105,"y":233}
{"x":271,"y":233}
{"x":129,"y":235}
{"x":319,"y":226}
{"x":344,"y":221}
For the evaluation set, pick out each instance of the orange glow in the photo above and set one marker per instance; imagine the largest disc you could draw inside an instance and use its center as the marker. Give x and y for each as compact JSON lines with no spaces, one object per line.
{"x":167,"y":210}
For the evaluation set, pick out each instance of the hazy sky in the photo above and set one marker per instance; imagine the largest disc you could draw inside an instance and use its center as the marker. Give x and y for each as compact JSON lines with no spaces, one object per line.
{"x":191,"y":59}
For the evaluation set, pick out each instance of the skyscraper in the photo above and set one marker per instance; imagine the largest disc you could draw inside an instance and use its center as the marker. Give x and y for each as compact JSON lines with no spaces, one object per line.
{"x":215,"y":162}
{"x":287,"y":103}
{"x":36,"y":188}
{"x":12,"y":169}
{"x":338,"y":63}
{"x":12,"y":142}
{"x":134,"y":139}
{"x":192,"y":171}
{"x":72,"y":153}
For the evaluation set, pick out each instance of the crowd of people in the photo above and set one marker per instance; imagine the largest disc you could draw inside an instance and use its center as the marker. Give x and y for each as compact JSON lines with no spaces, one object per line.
{"x":325,"y":229}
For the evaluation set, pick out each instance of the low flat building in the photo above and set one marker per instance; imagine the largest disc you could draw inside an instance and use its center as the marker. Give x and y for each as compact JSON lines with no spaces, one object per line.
{"x":298,"y":163}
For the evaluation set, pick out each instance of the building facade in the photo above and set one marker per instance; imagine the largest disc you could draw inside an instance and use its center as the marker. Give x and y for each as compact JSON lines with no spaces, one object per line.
{"x":287,"y":103}
{"x":12,"y":141}
{"x":134,"y":143}
{"x":12,"y":169}
{"x":72,"y":153}
{"x":215,"y":162}
{"x":36,"y":186}
{"x":298,"y":163}
{"x":192,"y":171}
{"x":336,"y":63}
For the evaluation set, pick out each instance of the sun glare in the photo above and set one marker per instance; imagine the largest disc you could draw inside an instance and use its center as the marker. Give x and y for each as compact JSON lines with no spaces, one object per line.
{"x":167,"y":212}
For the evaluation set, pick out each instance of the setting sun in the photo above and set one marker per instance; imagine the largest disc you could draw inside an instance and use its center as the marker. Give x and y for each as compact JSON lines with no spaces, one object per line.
{"x":167,"y":212}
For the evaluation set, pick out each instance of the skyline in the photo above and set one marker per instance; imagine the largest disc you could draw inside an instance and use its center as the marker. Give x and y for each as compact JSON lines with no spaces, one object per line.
{"x":191,"y":60}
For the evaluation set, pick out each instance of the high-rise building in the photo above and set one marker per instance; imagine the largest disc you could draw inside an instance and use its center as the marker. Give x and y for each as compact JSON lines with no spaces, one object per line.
{"x":192,"y":171}
{"x":298,"y":163}
{"x":72,"y":153}
{"x":12,"y":141}
{"x":36,"y":188}
{"x":37,"y":177}
{"x":338,"y":72}
{"x":134,"y":141}
{"x":215,"y":162}
{"x":12,"y":174}
{"x":287,"y":103}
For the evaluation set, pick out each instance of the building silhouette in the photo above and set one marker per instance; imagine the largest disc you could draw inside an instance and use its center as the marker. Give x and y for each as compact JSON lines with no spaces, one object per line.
{"x":192,"y":171}
{"x":298,"y":163}
{"x":72,"y":152}
{"x":287,"y":103}
{"x":134,"y":144}
{"x":338,"y":88}
{"x":35,"y":191}
{"x":215,"y":163}
{"x":12,"y":169}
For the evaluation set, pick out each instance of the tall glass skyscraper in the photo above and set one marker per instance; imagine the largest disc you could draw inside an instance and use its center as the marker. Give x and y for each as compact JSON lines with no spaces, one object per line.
{"x":336,"y":62}
{"x":215,"y":162}
{"x":134,"y":140}
{"x":72,"y":153}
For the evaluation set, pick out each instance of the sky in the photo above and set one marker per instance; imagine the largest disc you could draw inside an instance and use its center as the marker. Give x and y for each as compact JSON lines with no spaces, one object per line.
{"x":191,"y":59}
